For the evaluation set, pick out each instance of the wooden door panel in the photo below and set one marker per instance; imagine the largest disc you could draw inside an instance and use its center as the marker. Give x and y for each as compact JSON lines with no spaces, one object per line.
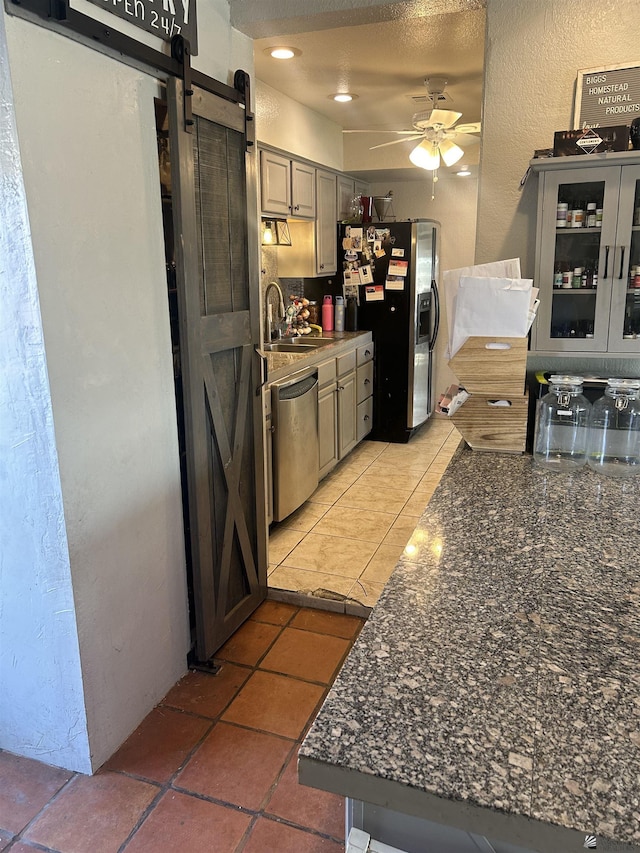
{"x":218,"y":299}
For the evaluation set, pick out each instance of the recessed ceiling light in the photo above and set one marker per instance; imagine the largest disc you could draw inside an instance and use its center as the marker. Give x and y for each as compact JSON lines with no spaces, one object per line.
{"x":282,"y":52}
{"x":343,"y":97}
{"x":463,"y":172}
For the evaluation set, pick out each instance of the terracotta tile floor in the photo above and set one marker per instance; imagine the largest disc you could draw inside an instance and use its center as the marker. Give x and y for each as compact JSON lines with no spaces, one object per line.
{"x":212,"y":769}
{"x":343,"y":543}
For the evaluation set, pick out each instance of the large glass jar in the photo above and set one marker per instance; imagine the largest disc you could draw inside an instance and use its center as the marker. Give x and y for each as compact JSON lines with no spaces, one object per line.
{"x":562,"y":416}
{"x":614,"y":429}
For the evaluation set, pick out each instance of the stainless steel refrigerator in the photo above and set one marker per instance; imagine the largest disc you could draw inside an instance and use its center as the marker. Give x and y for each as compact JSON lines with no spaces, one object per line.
{"x":399,"y":304}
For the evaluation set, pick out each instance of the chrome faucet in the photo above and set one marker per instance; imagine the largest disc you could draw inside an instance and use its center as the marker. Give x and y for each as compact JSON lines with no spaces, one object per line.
{"x":269,"y":309}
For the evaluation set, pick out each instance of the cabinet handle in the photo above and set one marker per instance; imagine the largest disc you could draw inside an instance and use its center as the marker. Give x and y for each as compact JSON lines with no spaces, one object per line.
{"x":367,"y":352}
{"x":297,"y":207}
{"x":606,"y":261}
{"x":321,"y":266}
{"x":367,"y":382}
{"x":340,"y":387}
{"x":366,"y":417}
{"x":263,"y":371}
{"x":622,"y":261}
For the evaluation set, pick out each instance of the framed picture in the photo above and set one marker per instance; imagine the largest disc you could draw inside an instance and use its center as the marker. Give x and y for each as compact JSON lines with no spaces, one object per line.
{"x":606,"y":96}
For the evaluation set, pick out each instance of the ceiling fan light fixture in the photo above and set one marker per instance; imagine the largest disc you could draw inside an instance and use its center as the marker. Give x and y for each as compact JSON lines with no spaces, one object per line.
{"x":425,"y":155}
{"x":450,"y":152}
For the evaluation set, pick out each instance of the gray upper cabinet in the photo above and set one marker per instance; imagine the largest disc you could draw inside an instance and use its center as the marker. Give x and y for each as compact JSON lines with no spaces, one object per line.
{"x":589,"y":301}
{"x":326,"y":231}
{"x":287,"y":187}
{"x":347,"y":189}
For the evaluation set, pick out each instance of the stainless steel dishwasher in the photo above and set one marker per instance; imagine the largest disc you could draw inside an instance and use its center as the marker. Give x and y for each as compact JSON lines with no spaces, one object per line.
{"x":294,"y":412}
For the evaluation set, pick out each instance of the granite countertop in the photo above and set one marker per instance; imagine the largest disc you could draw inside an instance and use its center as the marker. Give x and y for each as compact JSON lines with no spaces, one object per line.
{"x":496,"y":685}
{"x":282,"y":364}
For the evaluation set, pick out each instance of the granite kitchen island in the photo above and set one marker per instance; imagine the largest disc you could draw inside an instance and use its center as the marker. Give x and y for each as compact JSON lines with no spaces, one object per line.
{"x":496,"y":686}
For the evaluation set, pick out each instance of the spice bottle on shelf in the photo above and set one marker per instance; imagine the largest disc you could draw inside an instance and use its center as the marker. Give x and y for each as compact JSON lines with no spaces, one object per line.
{"x":557,"y":275}
{"x":577,"y":215}
{"x":561,"y":214}
{"x":599,"y":217}
{"x":577,"y":277}
{"x":339,"y":314}
{"x":327,"y":314}
{"x":591,"y":215}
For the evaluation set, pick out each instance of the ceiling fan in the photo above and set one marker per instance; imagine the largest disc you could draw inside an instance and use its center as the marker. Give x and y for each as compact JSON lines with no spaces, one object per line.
{"x":437,"y":129}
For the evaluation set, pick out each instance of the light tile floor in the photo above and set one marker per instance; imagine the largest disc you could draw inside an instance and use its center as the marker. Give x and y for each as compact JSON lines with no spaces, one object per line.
{"x":345,"y":541}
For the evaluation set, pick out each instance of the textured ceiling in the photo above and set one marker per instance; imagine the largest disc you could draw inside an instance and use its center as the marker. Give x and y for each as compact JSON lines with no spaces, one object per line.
{"x":384,"y":61}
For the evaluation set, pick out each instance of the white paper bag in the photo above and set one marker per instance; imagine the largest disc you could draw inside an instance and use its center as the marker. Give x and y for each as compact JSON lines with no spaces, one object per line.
{"x":491,"y":307}
{"x":451,"y":278}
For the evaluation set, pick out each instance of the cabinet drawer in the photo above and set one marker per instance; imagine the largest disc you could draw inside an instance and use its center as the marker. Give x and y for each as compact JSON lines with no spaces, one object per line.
{"x":364,"y":381}
{"x":346,"y":363}
{"x":364,"y":418}
{"x":326,"y":372}
{"x":364,"y":353}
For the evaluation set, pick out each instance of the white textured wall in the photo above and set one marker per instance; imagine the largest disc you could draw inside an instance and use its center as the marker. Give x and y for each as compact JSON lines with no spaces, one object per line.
{"x":284,"y":123}
{"x":87,"y":136}
{"x":533,"y":53}
{"x":41,"y":699}
{"x":454,"y":207}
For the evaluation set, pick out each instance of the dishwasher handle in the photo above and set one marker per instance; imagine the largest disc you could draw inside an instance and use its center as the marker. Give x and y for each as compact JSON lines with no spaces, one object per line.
{"x":297,"y":389}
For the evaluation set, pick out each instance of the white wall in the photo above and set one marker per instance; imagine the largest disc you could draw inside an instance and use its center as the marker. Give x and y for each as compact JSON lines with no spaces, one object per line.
{"x":533,"y":54}
{"x":41,"y":700}
{"x":86,"y":132}
{"x":454,"y":207}
{"x":286,"y":124}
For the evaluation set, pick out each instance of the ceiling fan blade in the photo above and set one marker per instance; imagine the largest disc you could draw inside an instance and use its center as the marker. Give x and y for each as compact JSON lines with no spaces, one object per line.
{"x":469,"y":127}
{"x":413,"y":132}
{"x":466,"y":139}
{"x":446,"y":118}
{"x":396,"y":141}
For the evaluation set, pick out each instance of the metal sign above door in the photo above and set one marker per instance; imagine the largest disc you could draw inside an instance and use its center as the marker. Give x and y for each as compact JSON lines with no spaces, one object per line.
{"x":163,"y":18}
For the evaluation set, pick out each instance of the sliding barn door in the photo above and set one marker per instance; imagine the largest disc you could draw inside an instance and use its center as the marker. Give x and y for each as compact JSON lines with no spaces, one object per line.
{"x":215,"y":226}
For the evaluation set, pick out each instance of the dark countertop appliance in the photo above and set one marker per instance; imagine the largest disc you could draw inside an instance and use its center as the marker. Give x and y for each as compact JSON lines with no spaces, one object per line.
{"x":402,"y":312}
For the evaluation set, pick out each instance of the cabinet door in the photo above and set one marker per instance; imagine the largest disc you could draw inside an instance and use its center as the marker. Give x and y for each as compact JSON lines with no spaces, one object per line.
{"x":327,"y":428}
{"x":347,"y":426}
{"x":364,"y":378}
{"x":364,"y":417}
{"x":574,"y":315}
{"x":624,"y":325}
{"x":303,"y":191}
{"x":326,"y":231}
{"x":275,"y":184}
{"x":346,"y":193}
{"x":360,"y":188}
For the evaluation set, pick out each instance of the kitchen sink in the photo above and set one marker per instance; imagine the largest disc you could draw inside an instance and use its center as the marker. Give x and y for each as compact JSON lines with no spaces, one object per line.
{"x":298,"y":344}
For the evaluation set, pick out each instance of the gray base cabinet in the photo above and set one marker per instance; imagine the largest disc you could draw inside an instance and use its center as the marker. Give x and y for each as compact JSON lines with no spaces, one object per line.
{"x":327,"y":417}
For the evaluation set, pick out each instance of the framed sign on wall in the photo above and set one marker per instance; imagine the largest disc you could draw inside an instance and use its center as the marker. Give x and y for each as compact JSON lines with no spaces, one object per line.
{"x":162,"y":18}
{"x":605,"y":96}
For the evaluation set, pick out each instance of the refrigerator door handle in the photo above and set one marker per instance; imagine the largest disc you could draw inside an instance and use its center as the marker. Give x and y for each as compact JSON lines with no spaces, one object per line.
{"x":436,"y":314}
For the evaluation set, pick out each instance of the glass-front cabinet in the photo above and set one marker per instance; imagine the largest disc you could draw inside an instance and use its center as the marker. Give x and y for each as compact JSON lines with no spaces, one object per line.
{"x":588,"y":254}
